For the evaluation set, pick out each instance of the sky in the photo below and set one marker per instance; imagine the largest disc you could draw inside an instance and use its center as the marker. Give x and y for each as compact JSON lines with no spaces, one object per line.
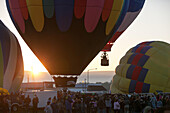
{"x":153,"y":23}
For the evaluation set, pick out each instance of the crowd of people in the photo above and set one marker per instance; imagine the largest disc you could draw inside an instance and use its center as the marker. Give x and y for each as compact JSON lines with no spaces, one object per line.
{"x":6,"y":102}
{"x":71,"y":102}
{"x":68,"y":102}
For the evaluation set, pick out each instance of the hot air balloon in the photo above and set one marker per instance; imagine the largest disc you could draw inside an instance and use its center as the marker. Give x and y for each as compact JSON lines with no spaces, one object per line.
{"x":144,"y":69}
{"x":67,"y":34}
{"x":11,"y":62}
{"x":129,"y":12}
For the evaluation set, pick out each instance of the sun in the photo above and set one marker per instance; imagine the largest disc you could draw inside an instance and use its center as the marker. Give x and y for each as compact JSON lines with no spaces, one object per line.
{"x":35,"y":70}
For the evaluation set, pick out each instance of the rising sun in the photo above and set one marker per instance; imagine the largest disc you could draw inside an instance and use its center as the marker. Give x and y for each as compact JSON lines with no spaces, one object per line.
{"x":35,"y":70}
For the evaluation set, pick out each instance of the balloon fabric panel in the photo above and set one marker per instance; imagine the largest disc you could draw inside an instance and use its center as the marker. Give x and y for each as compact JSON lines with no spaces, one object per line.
{"x":48,"y":6}
{"x":10,"y":70}
{"x":92,"y":14}
{"x":5,"y":46}
{"x":36,"y":13}
{"x":14,"y":4}
{"x":23,"y":8}
{"x":107,"y":9}
{"x":114,"y":15}
{"x":79,"y":8}
{"x":64,"y":13}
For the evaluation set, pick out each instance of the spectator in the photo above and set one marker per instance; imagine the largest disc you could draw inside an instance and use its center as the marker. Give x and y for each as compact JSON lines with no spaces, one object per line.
{"x":116,"y":106}
{"x":101,"y":106}
{"x":153,"y":102}
{"x":35,"y":102}
{"x":49,"y":100}
{"x":68,"y":102}
{"x":27,"y":103}
{"x":54,"y":100}
{"x":108,"y":104}
{"x":60,"y":106}
{"x":126,"y":105}
{"x":54,"y":107}
{"x":48,"y":108}
{"x":137,"y":105}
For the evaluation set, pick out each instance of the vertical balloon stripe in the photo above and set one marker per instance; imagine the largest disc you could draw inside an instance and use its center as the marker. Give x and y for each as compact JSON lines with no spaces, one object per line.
{"x":138,"y":88}
{"x":19,"y":71}
{"x":136,"y":5}
{"x":129,"y":18}
{"x":140,"y":48}
{"x":48,"y":6}
{"x":145,"y":49}
{"x":93,"y":12}
{"x":142,"y":75}
{"x":9,"y":73}
{"x":35,"y":9}
{"x":130,"y":71}
{"x":23,"y":7}
{"x":132,"y":86}
{"x":143,"y":60}
{"x":19,"y":64}
{"x":5,"y":38}
{"x":107,"y":9}
{"x":17,"y":15}
{"x":79,"y":8}
{"x":64,"y":13}
{"x":145,"y":88}
{"x":136,"y":73}
{"x":122,"y":15}
{"x":115,"y":13}
{"x":136,"y":59}
{"x":131,"y":58}
{"x":1,"y":67}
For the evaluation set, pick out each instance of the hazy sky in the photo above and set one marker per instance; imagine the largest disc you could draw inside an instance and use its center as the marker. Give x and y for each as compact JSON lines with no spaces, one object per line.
{"x":153,"y":23}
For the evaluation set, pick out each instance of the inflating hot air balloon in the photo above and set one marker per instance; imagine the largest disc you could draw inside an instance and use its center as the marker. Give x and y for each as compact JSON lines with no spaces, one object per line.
{"x":129,"y":12}
{"x":11,"y":62}
{"x":144,"y":69}
{"x":67,"y":34}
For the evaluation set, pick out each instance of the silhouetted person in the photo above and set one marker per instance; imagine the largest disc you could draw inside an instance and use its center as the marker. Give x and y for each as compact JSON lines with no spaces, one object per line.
{"x":35,"y":102}
{"x":27,"y":103}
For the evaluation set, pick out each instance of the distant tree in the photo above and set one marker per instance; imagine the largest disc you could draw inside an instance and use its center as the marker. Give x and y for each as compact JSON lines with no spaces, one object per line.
{"x":98,"y":82}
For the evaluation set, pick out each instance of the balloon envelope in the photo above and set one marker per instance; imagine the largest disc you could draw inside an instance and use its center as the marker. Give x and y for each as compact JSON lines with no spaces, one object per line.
{"x":144,"y":69}
{"x":11,"y":62}
{"x":66,"y":34}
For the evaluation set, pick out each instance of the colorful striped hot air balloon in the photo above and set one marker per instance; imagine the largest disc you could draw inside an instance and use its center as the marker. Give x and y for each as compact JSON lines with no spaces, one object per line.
{"x":144,"y":69}
{"x":67,"y":34}
{"x":11,"y":62}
